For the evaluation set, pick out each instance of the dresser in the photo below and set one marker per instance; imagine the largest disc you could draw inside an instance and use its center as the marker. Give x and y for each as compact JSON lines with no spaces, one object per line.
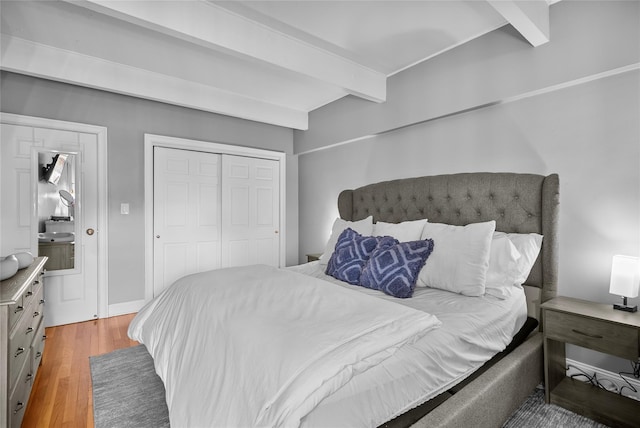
{"x":594,"y":326}
{"x":21,"y":339}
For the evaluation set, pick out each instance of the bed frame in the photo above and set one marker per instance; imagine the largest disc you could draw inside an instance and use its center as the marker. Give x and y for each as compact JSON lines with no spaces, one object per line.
{"x":519,"y":203}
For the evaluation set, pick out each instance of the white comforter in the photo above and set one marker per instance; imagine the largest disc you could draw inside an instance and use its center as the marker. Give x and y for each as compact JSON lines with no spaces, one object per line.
{"x":260,"y":346}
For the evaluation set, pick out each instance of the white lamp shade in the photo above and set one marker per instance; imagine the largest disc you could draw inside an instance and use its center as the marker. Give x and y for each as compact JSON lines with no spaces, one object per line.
{"x":625,"y":276}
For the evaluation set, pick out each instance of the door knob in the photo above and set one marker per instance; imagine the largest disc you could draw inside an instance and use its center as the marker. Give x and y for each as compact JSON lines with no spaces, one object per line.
{"x":90,"y":231}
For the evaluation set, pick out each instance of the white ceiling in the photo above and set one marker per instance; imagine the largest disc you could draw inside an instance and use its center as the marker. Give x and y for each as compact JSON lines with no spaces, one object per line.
{"x":268,"y":61}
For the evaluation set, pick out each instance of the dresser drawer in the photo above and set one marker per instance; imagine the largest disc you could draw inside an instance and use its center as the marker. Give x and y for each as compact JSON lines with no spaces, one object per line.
{"x":38,"y":291}
{"x":37,"y":349}
{"x":19,"y":345}
{"x":15,"y":312}
{"x":20,"y":396}
{"x":600,"y":335}
{"x":17,"y":309}
{"x":27,"y":296}
{"x":36,"y":309}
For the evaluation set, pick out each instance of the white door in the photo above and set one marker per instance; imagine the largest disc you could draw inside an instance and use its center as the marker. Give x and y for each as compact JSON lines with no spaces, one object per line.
{"x":71,"y":292}
{"x":250,"y":211}
{"x":186,"y":211}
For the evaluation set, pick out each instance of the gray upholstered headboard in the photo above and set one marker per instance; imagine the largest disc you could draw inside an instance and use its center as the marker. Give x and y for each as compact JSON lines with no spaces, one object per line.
{"x":519,"y":203}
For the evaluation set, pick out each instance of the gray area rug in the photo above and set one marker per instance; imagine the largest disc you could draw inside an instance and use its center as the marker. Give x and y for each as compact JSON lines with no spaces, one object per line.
{"x":128,"y":393}
{"x":534,"y":413}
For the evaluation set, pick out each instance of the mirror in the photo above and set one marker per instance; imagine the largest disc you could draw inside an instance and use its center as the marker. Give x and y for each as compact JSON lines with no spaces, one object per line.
{"x":56,"y":194}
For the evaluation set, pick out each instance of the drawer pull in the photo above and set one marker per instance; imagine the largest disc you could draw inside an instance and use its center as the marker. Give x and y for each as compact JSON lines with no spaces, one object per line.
{"x":28,"y":377}
{"x":19,"y":351}
{"x":18,"y":309}
{"x":593,"y":336}
{"x":28,"y":294}
{"x":36,"y":314}
{"x":19,"y":406}
{"x":29,"y":330}
{"x":44,"y":337}
{"x":42,"y":301}
{"x":38,"y":355}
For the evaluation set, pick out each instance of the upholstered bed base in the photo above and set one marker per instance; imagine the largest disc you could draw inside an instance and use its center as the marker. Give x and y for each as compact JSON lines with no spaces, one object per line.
{"x":519,"y":203}
{"x":488,"y":400}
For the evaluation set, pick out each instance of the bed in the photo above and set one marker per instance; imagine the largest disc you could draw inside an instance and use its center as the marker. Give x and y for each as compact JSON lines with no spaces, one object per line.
{"x":370,"y":363}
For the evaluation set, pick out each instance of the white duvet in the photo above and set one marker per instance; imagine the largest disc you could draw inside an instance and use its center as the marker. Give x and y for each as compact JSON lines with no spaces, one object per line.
{"x":260,"y":346}
{"x":473,"y":329}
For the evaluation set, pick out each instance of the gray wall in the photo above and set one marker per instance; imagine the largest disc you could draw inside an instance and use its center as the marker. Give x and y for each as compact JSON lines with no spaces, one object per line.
{"x":127,"y":119}
{"x":588,"y":133}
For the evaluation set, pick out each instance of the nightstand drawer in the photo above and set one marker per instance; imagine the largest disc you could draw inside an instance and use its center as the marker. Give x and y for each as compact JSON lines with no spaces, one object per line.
{"x":600,"y":335}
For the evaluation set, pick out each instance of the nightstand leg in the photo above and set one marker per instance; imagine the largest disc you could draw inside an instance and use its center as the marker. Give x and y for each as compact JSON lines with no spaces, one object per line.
{"x":554,"y":366}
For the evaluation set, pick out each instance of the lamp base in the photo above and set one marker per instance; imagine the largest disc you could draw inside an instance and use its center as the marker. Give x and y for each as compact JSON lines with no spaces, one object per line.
{"x":625,"y":308}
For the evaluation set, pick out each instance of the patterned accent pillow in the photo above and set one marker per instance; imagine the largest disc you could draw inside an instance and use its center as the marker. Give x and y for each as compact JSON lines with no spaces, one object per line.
{"x":394,"y":269}
{"x":351,"y":252}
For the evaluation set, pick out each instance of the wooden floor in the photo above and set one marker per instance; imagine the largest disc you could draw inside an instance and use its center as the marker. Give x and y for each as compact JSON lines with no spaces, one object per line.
{"x":61,"y":394}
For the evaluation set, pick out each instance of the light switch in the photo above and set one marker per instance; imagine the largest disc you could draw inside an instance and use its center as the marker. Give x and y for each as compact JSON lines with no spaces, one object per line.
{"x":124,"y":208}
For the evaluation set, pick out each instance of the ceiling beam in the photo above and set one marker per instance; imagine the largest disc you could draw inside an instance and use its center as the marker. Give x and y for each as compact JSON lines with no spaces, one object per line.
{"x":530,"y":18}
{"x":206,"y":24}
{"x":35,"y":59}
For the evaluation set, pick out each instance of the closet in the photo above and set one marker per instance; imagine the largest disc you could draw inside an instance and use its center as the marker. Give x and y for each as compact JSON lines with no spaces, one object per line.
{"x":213,"y":210}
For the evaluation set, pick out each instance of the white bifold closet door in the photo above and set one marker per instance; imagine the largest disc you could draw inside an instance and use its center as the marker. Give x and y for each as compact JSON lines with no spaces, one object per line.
{"x":212,"y":211}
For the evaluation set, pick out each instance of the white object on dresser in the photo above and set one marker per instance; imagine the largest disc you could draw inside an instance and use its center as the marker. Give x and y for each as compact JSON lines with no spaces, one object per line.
{"x":21,"y":339}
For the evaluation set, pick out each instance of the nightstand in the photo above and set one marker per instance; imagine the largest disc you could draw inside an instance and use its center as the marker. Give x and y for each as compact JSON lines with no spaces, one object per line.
{"x":313,"y":257}
{"x":595,"y":326}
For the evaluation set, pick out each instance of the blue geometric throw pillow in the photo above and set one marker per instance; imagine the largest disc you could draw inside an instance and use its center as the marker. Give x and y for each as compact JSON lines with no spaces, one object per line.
{"x":351,"y":253}
{"x":394,"y":269}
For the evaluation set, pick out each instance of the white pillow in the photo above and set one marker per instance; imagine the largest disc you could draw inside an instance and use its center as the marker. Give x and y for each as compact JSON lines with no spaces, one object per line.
{"x":403,"y":232}
{"x":363,"y":227}
{"x":503,"y":271}
{"x":460,"y":257}
{"x":528,"y":245}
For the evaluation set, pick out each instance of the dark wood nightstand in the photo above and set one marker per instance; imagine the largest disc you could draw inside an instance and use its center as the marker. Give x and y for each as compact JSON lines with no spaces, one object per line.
{"x":595,"y":326}
{"x":313,"y":257}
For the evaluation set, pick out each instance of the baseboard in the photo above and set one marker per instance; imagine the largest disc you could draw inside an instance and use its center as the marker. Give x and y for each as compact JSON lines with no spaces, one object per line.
{"x":609,"y":380}
{"x":125,"y":307}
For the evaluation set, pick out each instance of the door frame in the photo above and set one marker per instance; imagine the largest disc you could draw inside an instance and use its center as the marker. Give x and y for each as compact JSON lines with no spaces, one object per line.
{"x":152,"y":140}
{"x":102,"y":227}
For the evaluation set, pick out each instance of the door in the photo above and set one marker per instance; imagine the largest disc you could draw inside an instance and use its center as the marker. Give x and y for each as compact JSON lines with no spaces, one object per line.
{"x":71,"y":288}
{"x":250,"y":211}
{"x":186,"y":211}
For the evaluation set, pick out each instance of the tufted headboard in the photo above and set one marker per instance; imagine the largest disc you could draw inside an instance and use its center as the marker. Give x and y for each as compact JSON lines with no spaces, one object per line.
{"x":519,"y":203}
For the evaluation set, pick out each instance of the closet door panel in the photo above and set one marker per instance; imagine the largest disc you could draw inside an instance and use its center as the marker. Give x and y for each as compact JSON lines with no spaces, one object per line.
{"x":250,"y":211}
{"x":238,"y":205}
{"x":177,"y":262}
{"x":186,"y":214}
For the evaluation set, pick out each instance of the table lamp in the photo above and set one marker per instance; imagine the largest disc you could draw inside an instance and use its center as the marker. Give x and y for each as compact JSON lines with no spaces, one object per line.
{"x":625,"y":280}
